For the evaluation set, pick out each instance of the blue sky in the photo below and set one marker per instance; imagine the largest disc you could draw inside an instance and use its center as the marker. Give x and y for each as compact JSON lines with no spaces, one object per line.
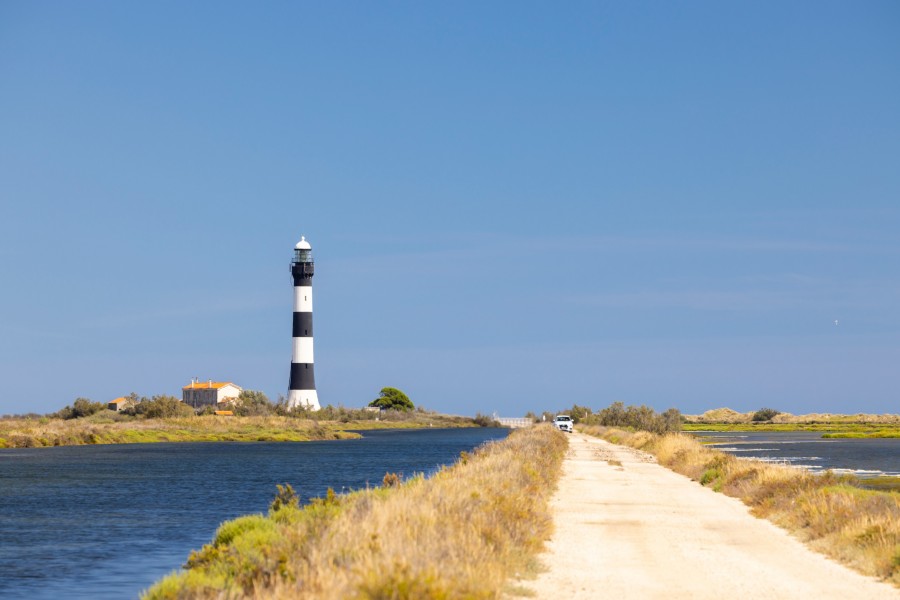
{"x":513,"y":206}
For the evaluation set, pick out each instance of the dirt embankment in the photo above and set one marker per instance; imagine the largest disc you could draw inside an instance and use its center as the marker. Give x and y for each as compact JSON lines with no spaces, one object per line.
{"x":629,"y":528}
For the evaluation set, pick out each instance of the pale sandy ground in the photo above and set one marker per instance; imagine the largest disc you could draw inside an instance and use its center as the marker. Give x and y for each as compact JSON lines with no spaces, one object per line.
{"x":640,"y":530}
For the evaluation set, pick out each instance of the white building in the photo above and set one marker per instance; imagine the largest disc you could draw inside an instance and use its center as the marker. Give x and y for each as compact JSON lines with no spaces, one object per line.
{"x":209,"y":393}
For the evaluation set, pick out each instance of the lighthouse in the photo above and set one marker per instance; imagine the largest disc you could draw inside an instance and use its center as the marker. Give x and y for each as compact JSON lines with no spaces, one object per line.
{"x":302,"y":391}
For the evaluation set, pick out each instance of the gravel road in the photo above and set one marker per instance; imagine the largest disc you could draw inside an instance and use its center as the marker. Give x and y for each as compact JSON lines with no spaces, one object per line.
{"x":629,"y":528}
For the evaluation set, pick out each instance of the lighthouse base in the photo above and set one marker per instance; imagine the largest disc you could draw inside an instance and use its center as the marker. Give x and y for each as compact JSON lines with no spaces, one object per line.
{"x":304,"y":399}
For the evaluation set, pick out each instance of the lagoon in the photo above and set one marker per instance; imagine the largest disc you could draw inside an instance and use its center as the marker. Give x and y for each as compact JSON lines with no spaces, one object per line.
{"x":108,"y":521}
{"x":873,"y":457}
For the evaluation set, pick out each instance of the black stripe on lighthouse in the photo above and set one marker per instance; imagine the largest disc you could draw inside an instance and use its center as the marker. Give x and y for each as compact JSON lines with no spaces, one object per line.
{"x":302,"y":376}
{"x":303,"y":324}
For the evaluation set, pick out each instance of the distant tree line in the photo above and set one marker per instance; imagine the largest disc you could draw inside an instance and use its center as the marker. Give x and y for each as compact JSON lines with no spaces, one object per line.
{"x":392,"y":402}
{"x":642,"y":418}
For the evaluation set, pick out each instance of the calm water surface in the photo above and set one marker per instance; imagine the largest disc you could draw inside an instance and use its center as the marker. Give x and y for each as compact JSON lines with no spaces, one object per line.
{"x":873,"y":457}
{"x":108,"y":521}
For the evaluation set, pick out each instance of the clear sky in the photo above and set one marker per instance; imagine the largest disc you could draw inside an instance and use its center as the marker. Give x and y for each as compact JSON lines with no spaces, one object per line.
{"x":513,"y":206}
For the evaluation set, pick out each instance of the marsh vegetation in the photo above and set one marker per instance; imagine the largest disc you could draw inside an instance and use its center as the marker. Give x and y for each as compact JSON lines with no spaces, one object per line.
{"x":249,"y":417}
{"x":460,"y":534}
{"x":107,"y":427}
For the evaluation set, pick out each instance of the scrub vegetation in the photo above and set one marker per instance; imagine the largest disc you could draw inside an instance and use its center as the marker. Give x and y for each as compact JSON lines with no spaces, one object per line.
{"x":618,"y":414}
{"x":769,"y":419}
{"x":462,"y":533}
{"x":109,"y":428}
{"x":827,"y":429}
{"x":253,"y":418}
{"x":835,"y":514}
{"x":764,"y":418}
{"x":881,"y":432}
{"x":102,"y":428}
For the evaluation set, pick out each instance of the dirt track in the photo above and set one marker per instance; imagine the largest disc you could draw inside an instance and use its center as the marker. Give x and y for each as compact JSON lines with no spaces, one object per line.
{"x":639,"y":530}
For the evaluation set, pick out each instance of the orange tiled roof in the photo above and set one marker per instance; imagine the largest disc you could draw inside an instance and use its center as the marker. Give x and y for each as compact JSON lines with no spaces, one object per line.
{"x":118,"y":400}
{"x":205,"y":385}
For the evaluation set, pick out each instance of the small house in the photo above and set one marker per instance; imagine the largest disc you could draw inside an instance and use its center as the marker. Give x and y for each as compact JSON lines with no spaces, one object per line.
{"x":209,"y":393}
{"x":120,"y":404}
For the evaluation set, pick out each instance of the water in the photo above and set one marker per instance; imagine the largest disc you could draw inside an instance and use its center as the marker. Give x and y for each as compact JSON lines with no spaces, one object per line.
{"x":873,"y":457}
{"x":107,"y":521}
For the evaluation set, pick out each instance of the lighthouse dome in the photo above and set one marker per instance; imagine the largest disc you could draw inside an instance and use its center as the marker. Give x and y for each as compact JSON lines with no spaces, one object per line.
{"x":303,"y":244}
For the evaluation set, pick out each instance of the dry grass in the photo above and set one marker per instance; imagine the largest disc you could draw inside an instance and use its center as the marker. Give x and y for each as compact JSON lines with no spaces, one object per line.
{"x":460,"y":534}
{"x":833,"y":514}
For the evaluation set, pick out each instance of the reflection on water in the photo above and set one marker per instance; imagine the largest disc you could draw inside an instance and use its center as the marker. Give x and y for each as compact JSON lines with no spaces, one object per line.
{"x":107,"y":521}
{"x":873,"y":457}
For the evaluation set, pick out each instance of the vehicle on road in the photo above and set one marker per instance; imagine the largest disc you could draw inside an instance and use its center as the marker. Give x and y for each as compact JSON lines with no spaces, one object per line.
{"x":564,"y":423}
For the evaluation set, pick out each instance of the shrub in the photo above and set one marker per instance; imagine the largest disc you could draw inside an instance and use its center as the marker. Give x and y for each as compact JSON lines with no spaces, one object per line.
{"x":286,"y":497}
{"x":485,"y":421}
{"x":229,"y":530}
{"x":765,"y":414}
{"x":82,"y":407}
{"x":161,"y":407}
{"x":580,"y":413}
{"x":253,"y":403}
{"x":390,"y":480}
{"x":642,"y":418}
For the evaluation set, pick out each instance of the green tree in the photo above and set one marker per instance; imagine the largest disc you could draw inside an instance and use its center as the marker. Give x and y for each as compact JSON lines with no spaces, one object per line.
{"x":392,"y":399}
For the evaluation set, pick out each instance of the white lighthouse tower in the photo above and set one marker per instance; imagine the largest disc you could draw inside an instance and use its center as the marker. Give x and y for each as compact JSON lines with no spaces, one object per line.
{"x":302,"y":391}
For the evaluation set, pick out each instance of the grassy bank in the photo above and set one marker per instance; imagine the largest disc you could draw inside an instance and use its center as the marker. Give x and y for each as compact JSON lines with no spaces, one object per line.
{"x":32,"y":433}
{"x":109,"y":428}
{"x":834,"y":514}
{"x":831,"y":425}
{"x":878,"y":433}
{"x":460,"y":534}
{"x":828,"y":429}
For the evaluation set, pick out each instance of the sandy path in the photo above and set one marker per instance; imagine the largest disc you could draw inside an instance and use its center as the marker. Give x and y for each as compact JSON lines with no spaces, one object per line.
{"x":640,"y":530}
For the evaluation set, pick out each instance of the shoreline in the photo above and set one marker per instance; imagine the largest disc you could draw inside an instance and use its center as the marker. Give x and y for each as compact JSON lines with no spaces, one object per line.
{"x":463,"y":532}
{"x":45,"y":433}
